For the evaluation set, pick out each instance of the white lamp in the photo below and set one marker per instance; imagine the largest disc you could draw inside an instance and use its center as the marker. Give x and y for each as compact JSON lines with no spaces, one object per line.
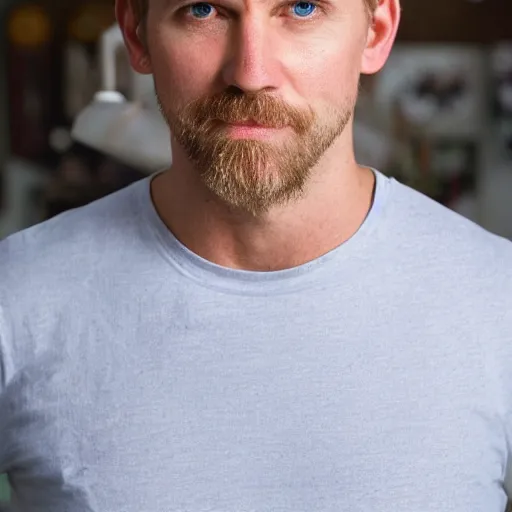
{"x":134,"y":131}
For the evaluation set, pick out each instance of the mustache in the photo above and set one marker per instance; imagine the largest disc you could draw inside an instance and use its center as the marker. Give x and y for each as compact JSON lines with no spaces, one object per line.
{"x":261,"y":108}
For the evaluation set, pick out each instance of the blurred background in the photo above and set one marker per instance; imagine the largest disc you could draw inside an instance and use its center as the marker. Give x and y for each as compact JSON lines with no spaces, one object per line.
{"x":438,"y":117}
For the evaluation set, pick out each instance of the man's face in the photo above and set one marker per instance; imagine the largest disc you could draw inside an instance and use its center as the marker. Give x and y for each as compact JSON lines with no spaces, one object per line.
{"x":255,"y":91}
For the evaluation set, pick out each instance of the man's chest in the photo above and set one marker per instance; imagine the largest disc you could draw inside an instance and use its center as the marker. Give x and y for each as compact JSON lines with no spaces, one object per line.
{"x":276,"y":416}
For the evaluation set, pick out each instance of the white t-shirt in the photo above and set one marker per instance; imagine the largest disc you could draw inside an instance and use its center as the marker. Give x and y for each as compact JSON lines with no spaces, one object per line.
{"x":136,"y":376}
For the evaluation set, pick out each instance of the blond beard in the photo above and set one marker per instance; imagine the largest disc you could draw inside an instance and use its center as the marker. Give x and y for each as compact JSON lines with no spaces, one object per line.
{"x":250,"y":175}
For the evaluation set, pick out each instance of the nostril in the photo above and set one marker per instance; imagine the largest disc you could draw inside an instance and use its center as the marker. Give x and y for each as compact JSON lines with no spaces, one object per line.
{"x":234,"y":90}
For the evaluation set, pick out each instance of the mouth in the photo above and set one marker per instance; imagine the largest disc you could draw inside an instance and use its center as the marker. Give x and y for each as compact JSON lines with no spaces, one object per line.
{"x":250,"y":130}
{"x":249,"y":122}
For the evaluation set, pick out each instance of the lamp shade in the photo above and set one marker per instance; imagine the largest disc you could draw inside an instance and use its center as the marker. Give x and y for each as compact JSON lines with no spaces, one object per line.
{"x":133,"y":130}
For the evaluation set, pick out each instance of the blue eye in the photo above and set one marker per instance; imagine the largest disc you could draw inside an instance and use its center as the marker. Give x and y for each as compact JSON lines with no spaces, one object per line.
{"x":303,"y":9}
{"x":202,"y":10}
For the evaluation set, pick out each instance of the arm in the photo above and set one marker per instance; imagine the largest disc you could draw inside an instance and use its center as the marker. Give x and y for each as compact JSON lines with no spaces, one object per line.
{"x":5,"y":371}
{"x":508,"y":475}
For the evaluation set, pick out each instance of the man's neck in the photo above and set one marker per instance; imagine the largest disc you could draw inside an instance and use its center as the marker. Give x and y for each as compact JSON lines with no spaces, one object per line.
{"x":334,"y":206}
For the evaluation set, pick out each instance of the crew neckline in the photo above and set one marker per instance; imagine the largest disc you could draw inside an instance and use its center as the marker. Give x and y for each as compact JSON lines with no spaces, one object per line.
{"x":212,"y":275}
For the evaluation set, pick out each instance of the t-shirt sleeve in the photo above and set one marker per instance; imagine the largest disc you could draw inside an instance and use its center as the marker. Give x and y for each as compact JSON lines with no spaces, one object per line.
{"x":4,"y":413}
{"x":505,"y":362}
{"x":508,"y":432}
{"x":508,"y":478}
{"x":501,"y":333}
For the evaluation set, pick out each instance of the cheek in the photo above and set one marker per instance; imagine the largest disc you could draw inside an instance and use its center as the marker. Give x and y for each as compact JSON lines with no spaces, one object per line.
{"x":183,"y":70}
{"x":328,"y":73}
{"x":325,"y":66}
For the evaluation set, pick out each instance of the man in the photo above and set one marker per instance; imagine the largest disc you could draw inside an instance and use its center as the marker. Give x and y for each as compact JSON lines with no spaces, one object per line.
{"x":267,"y":326}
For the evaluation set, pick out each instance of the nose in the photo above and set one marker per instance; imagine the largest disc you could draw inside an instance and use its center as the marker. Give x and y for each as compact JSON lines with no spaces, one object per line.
{"x":252,"y":65}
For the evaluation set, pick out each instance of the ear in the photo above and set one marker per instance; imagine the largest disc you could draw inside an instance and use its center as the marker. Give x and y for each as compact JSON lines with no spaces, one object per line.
{"x":381,"y":35}
{"x":134,"y":37}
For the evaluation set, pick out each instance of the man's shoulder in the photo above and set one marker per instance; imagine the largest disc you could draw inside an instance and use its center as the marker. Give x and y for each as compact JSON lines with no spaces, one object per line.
{"x":66,"y":245}
{"x":439,"y":248}
{"x":433,"y":228}
{"x":58,"y":268}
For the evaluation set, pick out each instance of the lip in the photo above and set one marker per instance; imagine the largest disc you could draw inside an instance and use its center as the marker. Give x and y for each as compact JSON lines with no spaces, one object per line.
{"x":248,"y":123}
{"x":250,"y":130}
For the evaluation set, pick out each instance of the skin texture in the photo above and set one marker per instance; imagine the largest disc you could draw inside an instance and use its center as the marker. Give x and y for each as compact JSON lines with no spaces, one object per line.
{"x":286,"y":189}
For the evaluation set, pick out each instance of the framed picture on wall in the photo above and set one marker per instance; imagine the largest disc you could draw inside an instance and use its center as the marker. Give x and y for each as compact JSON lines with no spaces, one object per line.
{"x":501,"y":80}
{"x":438,"y":88}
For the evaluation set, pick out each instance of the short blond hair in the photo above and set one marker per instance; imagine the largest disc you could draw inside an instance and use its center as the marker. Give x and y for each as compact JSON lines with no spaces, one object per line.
{"x":140,"y":7}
